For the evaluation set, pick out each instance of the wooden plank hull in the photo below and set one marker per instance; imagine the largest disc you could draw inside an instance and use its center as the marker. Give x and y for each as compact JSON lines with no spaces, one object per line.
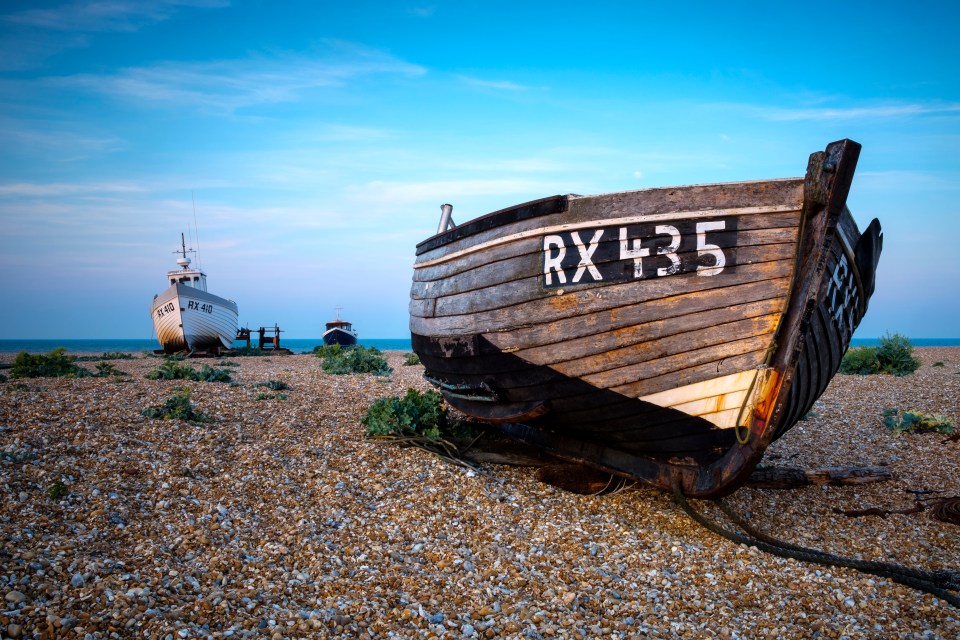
{"x":666,"y":334}
{"x":189,"y":319}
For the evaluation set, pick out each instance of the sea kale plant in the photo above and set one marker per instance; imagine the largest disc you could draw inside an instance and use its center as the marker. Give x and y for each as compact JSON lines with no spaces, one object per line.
{"x":276,"y":385}
{"x":177,"y":407}
{"x":55,"y":364}
{"x":107,"y":369}
{"x":109,"y":355}
{"x":415,"y":414}
{"x":172,"y":369}
{"x":916,"y":422}
{"x":353,"y":359}
{"x":894,"y":355}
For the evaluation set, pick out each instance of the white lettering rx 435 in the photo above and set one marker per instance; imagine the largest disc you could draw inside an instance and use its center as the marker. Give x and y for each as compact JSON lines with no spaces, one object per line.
{"x":706,"y":247}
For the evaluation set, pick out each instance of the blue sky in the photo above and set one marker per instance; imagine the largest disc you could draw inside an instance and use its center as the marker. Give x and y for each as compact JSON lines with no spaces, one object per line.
{"x":314,"y":142}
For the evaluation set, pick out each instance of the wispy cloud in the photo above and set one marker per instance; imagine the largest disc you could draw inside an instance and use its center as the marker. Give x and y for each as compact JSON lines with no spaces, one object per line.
{"x":498,"y":85}
{"x":33,"y":36}
{"x":346,"y":133}
{"x":53,"y":141}
{"x":59,"y":189}
{"x":229,"y":85}
{"x":105,"y":16}
{"x":422,"y":11}
{"x":875,"y":112}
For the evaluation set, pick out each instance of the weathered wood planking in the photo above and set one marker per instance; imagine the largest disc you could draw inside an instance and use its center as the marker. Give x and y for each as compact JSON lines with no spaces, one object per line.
{"x":638,"y":331}
{"x":507,"y":307}
{"x":580,"y":349}
{"x":639,"y":363}
{"x":622,"y":363}
{"x":615,"y":326}
{"x":755,"y":247}
{"x":438,"y":265}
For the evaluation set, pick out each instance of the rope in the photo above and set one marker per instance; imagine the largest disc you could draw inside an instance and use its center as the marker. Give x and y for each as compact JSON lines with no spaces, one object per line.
{"x":936,"y":583}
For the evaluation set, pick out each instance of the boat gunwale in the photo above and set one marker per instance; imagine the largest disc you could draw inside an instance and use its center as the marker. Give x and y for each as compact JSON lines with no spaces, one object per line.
{"x":542,"y":206}
{"x":600,"y":222}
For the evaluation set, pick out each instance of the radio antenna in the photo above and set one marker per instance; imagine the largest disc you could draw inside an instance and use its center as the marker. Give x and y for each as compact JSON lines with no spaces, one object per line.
{"x":197,"y":231}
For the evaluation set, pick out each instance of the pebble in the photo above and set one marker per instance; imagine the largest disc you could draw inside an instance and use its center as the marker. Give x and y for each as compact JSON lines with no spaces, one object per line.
{"x":279,"y":519}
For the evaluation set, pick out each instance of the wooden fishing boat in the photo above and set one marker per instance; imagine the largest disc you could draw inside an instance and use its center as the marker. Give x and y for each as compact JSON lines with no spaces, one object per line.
{"x":668,"y":335}
{"x":186,"y":317}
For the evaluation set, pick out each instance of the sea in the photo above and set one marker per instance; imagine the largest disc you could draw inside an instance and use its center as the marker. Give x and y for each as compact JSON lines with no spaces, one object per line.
{"x":296,"y":345}
{"x":304,"y":345}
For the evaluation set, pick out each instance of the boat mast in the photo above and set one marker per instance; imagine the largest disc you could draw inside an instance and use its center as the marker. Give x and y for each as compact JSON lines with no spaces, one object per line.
{"x":184,"y":261}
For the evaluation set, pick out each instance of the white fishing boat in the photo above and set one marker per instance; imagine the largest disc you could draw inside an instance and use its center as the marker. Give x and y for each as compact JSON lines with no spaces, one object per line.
{"x":186,"y":317}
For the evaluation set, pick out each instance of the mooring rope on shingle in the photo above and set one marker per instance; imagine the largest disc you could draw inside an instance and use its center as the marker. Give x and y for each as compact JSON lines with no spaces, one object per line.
{"x":937,"y":583}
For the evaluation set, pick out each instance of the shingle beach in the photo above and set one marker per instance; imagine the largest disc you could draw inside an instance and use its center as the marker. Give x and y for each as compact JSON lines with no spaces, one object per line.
{"x":278,"y":519}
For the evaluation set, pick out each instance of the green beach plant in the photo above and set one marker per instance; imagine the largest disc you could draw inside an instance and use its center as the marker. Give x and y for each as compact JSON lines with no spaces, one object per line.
{"x":177,"y":407}
{"x":173,"y":370}
{"x":107,"y":369}
{"x":57,"y":490}
{"x":276,"y":385}
{"x":209,"y":374}
{"x":860,"y":361}
{"x":916,"y":422}
{"x":55,"y":364}
{"x":411,"y":359}
{"x":109,"y":355}
{"x":354,"y":359}
{"x":324,"y":350}
{"x":421,"y":420}
{"x":415,"y":414}
{"x":894,"y":355}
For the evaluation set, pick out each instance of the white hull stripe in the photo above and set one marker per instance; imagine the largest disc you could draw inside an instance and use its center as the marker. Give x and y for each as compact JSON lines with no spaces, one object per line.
{"x":673,"y":215}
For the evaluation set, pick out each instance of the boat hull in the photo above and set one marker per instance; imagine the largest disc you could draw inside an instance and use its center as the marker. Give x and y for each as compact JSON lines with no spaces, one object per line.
{"x":660,"y":333}
{"x":339,"y":336}
{"x":187,"y":319}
